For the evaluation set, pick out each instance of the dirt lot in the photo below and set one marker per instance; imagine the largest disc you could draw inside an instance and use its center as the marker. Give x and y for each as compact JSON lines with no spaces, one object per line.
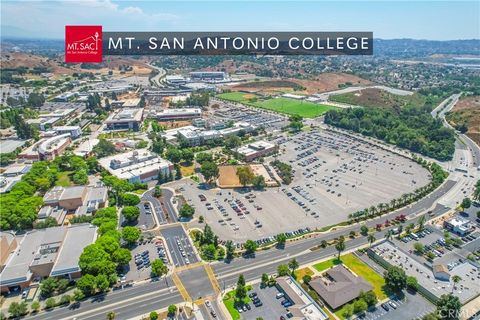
{"x":228,"y":177}
{"x":468,"y":110}
{"x":373,"y":97}
{"x":324,"y":82}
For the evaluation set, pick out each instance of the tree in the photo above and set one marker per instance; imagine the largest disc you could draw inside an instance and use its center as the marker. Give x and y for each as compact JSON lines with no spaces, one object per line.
{"x":307,"y":278}
{"x":65,"y":299}
{"x":419,"y":247}
{"x":153,"y":315}
{"x":466,"y":203}
{"x":230,"y":249}
{"x":340,"y":245}
{"x":187,"y":155}
{"x":369,"y":297}
{"x":371,"y":239}
{"x":101,"y":282}
{"x":395,"y":278}
{"x":323,"y":243}
{"x":122,"y":256}
{"x":131,"y":213}
{"x":209,"y":170}
{"x":245,"y":175}
{"x":281,"y":239}
{"x":78,"y":295}
{"x":203,"y":157}
{"x":359,"y":306}
{"x":130,"y":234}
{"x":172,"y":310}
{"x":87,"y":284}
{"x":412,"y":283}
{"x":348,"y":310}
{"x":104,"y":148}
{"x":241,"y":291}
{"x":111,"y":315}
{"x":35,"y":306}
{"x":157,"y":192}
{"x":264,"y":278}
{"x":363,"y":230}
{"x":187,"y":211}
{"x":129,"y":199}
{"x":17,"y":309}
{"x":421,"y":223}
{"x":80,"y":177}
{"x":293,"y":265}
{"x":178,"y":172}
{"x":174,"y":155}
{"x":108,"y":243}
{"x":282,"y":270}
{"x":456,"y":279}
{"x":233,"y":142}
{"x":158,"y":268}
{"x":48,"y":287}
{"x":259,"y":182}
{"x":448,"y":307}
{"x":50,"y":303}
{"x":250,"y":246}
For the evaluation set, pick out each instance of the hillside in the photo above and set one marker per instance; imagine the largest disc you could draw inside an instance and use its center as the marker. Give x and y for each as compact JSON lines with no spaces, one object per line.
{"x":466,"y":115}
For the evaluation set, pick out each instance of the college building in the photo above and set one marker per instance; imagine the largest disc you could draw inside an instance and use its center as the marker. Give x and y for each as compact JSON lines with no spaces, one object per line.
{"x":136,"y":166}
{"x":40,"y":253}
{"x":256,"y":150}
{"x":125,"y":119}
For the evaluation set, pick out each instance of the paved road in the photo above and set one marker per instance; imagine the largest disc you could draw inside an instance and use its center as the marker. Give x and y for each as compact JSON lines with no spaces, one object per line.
{"x":157,"y":207}
{"x":172,"y":235}
{"x":141,"y":299}
{"x":168,"y":195}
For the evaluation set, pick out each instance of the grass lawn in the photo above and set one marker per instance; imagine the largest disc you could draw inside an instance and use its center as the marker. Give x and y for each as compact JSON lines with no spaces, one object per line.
{"x":63,"y":179}
{"x":230,"y":302}
{"x":324,"y":265}
{"x":302,"y":272}
{"x":283,"y":105}
{"x":139,"y":191}
{"x":362,"y":270}
{"x":290,"y":106}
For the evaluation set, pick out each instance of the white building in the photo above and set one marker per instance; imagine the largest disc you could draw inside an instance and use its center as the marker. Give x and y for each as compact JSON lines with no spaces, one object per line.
{"x":125,"y":119}
{"x":257,"y":149}
{"x":74,"y":131}
{"x":136,"y":166}
{"x":177,"y":114}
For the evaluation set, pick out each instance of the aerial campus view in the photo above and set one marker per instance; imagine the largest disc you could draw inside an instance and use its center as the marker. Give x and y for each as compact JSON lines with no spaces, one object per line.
{"x":239,"y":186}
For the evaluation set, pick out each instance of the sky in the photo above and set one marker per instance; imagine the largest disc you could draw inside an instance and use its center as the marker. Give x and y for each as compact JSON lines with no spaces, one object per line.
{"x":387,"y":19}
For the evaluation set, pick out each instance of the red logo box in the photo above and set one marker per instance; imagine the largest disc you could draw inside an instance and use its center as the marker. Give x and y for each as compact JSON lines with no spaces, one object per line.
{"x":83,"y":44}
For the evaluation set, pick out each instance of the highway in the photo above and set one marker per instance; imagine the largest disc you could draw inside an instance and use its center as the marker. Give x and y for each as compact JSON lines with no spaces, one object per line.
{"x":142,"y":298}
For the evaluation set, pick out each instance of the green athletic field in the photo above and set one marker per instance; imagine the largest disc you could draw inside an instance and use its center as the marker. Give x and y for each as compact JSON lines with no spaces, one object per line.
{"x":282,"y":105}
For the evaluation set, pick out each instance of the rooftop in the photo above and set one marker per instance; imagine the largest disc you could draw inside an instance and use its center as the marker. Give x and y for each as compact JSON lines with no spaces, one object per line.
{"x":339,"y":285}
{"x":77,"y":238}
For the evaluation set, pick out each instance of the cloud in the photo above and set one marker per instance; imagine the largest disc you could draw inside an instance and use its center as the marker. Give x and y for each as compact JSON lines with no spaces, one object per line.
{"x":47,"y":19}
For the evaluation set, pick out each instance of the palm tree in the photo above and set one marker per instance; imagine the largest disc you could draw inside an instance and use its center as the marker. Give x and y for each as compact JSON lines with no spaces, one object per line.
{"x":421,"y":223}
{"x":371,"y":239}
{"x":372,"y":211}
{"x":456,"y":279}
{"x":293,"y":265}
{"x":388,"y":235}
{"x":340,"y":246}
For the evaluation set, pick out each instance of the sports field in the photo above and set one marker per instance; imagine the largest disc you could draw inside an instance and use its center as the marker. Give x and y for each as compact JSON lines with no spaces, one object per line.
{"x":282,"y":105}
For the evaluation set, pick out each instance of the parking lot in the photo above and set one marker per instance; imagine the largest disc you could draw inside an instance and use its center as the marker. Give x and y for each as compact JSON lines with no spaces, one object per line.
{"x":269,"y":307}
{"x":179,"y":245}
{"x":145,"y":219}
{"x":467,"y":288}
{"x":142,"y":256}
{"x":412,"y":306}
{"x":335,"y":175}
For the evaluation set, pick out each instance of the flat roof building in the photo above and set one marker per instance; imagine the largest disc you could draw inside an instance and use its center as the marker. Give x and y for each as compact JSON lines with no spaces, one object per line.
{"x":459,"y":225}
{"x":125,"y":119}
{"x":256,"y":150}
{"x":177,"y":114}
{"x":208,"y":75}
{"x":304,"y":307}
{"x":71,"y":198}
{"x":338,"y":286}
{"x":41,"y":251}
{"x":136,"y":166}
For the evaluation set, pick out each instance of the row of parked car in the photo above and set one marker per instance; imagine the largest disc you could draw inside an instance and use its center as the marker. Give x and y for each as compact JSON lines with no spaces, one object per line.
{"x":416,"y":236}
{"x":161,"y":251}
{"x":142,"y":260}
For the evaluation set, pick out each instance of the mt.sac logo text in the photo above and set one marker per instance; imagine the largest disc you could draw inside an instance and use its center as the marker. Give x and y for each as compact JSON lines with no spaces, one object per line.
{"x":83,"y":44}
